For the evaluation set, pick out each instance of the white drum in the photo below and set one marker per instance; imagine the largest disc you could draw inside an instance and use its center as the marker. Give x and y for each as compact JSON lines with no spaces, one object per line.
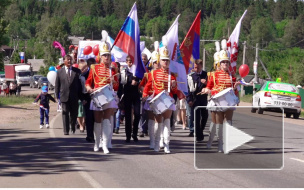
{"x":226,"y":98}
{"x":162,"y":102}
{"x":102,"y":96}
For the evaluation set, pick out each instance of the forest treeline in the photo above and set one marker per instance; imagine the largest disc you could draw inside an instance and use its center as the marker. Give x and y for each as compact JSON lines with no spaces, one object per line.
{"x":277,"y":27}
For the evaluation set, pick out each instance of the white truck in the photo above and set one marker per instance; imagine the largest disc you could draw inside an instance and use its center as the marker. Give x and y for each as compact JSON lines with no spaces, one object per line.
{"x":19,"y":73}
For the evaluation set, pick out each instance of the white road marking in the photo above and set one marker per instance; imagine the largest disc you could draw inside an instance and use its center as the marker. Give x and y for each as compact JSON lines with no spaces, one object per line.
{"x":296,"y":159}
{"x":76,"y":165}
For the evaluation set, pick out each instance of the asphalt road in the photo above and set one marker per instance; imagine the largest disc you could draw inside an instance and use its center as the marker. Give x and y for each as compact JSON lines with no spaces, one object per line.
{"x":45,"y":158}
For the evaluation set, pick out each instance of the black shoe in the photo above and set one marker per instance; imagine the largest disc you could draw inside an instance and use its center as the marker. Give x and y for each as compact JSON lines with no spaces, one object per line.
{"x":191,"y":134}
{"x":89,"y":139}
{"x":116,"y":131}
{"x":66,"y":133}
{"x":142,"y":134}
{"x":146,"y":134}
{"x":128,"y":140}
{"x":135,"y":138}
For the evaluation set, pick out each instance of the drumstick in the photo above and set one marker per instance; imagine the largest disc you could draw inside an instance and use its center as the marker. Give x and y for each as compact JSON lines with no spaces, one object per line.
{"x":112,"y":76}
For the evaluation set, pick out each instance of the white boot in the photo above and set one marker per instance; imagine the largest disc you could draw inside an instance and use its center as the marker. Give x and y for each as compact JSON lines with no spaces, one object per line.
{"x":106,"y":135}
{"x":97,"y":133}
{"x":161,"y":142}
{"x":157,"y":129}
{"x":151,"y":124}
{"x":166,"y":133}
{"x":212,"y":134}
{"x":111,"y":134}
{"x":220,"y":137}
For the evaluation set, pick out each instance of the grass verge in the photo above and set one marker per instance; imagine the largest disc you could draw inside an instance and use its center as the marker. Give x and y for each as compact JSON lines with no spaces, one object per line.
{"x":246,"y":98}
{"x":14,"y":100}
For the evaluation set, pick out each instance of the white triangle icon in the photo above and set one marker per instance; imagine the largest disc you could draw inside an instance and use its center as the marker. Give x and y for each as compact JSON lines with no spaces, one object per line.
{"x":233,"y":138}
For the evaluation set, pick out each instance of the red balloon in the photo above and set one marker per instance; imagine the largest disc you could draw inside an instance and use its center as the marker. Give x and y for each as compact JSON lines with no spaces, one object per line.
{"x":71,"y":47}
{"x":58,"y":67}
{"x":96,"y":50}
{"x":244,"y":70}
{"x":75,"y":65}
{"x":87,"y":50}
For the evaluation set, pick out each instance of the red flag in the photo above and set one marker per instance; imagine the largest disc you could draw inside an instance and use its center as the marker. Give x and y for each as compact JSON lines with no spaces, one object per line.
{"x":191,"y":44}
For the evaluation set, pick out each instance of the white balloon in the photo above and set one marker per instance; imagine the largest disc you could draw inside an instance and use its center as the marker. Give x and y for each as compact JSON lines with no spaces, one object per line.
{"x":51,"y":76}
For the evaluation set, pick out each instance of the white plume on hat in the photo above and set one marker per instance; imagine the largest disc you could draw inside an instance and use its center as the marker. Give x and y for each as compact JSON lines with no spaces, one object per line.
{"x":217,"y":46}
{"x":104,"y":47}
{"x":156,"y":45}
{"x":224,"y":44}
{"x":104,"y":35}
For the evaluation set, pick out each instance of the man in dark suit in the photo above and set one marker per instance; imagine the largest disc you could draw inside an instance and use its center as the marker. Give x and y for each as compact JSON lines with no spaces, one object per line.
{"x":68,"y":84}
{"x":131,"y":100}
{"x":200,"y":80}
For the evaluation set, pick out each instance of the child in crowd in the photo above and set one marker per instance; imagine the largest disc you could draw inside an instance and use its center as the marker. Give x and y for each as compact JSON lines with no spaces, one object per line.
{"x":44,"y":98}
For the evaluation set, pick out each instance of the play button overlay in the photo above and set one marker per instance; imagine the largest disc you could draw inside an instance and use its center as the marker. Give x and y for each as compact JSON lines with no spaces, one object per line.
{"x":234,"y":138}
{"x":251,"y":141}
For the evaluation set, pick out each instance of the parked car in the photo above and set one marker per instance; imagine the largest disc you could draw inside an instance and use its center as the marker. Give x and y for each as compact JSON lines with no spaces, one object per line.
{"x":280,"y":95}
{"x":2,"y":78}
{"x":34,"y":81}
{"x":42,"y":81}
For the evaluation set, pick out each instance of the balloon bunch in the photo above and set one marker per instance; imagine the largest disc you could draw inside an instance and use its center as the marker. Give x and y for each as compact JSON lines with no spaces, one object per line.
{"x":51,"y":76}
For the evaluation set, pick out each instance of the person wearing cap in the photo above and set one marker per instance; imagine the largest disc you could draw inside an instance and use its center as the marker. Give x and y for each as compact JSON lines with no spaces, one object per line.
{"x":102,"y":74}
{"x":219,"y":81}
{"x":68,"y":88}
{"x":160,"y":80}
{"x":147,"y":112}
{"x":44,"y":107}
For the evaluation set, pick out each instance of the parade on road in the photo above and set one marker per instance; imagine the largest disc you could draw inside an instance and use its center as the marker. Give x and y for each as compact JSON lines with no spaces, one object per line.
{"x":113,"y":114}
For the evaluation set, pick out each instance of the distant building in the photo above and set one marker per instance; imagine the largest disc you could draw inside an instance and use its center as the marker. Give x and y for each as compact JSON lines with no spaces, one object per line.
{"x":75,"y":39}
{"x":7,"y":50}
{"x":36,"y":64}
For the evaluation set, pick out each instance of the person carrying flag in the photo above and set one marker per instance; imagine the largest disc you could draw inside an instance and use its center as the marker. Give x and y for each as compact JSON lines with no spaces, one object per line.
{"x":160,"y":80}
{"x":102,"y":74}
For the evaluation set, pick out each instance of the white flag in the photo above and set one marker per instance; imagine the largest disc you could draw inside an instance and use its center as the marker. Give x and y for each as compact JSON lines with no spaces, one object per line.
{"x":176,"y":63}
{"x":233,"y":42}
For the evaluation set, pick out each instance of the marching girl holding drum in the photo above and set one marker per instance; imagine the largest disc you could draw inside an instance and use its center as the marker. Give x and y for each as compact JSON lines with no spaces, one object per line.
{"x":162,"y":83}
{"x":99,"y":77}
{"x":155,"y":66}
{"x":219,"y":81}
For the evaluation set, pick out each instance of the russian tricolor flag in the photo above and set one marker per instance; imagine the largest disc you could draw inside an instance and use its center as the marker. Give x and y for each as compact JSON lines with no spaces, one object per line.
{"x":128,"y":39}
{"x":190,"y":47}
{"x":21,"y":57}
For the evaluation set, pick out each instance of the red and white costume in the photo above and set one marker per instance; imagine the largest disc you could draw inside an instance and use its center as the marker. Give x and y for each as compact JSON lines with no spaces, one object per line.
{"x":99,"y":76}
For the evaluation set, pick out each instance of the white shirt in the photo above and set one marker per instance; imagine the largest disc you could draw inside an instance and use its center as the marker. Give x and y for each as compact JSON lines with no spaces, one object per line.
{"x":67,"y":70}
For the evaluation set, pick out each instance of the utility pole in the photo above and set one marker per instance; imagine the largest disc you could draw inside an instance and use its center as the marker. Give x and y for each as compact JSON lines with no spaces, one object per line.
{"x":255,"y":64}
{"x":204,"y":59}
{"x":244,"y":55}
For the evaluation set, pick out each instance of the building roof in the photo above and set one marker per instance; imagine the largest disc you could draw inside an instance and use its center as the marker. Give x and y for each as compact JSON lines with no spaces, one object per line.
{"x":36,"y":64}
{"x":75,"y":39}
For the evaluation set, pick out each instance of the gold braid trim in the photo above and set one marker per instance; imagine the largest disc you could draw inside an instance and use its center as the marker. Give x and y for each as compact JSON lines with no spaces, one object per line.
{"x":158,"y":84}
{"x":101,"y":79}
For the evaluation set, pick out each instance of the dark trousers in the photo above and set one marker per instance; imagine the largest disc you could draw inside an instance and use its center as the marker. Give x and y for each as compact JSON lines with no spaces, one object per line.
{"x":69,"y":115}
{"x":201,"y":117}
{"x":129,"y":102}
{"x":89,"y":121}
{"x":44,"y":112}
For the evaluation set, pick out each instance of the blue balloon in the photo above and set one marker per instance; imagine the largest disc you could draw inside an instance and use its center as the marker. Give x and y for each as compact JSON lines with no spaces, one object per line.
{"x":52,"y":68}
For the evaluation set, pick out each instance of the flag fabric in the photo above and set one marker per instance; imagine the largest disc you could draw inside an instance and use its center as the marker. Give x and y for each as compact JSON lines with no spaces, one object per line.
{"x":176,"y":63}
{"x":233,"y":42}
{"x":128,"y":39}
{"x":57,"y":45}
{"x":117,"y":55}
{"x":190,"y":48}
{"x":21,"y":57}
